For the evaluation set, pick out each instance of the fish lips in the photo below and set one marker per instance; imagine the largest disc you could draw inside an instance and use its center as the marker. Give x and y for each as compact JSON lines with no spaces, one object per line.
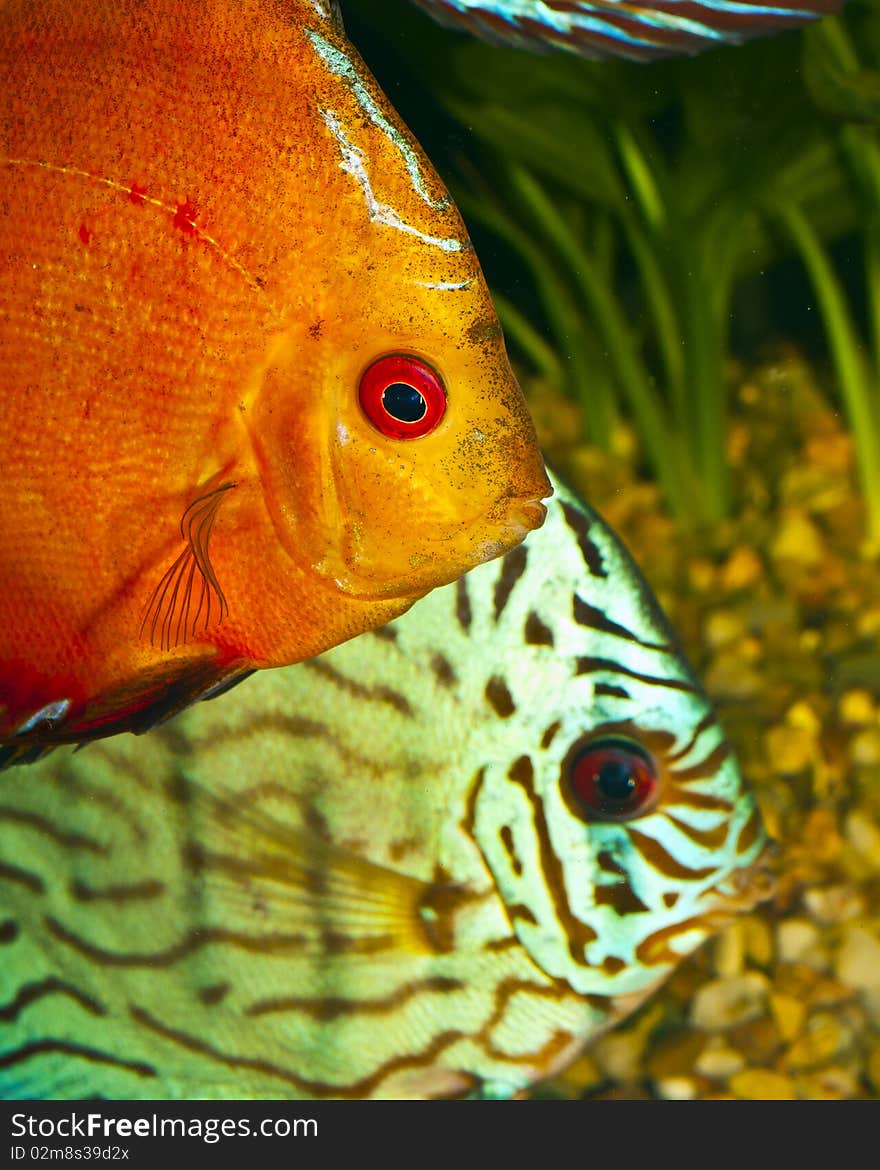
{"x":495,"y":531}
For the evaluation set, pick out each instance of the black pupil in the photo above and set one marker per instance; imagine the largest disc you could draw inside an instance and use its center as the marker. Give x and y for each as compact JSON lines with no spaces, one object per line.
{"x":404,"y":402}
{"x":615,"y":781}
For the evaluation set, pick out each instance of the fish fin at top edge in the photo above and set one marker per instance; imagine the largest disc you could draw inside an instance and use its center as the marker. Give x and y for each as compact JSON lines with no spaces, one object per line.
{"x":644,"y":30}
{"x":171,"y":619}
{"x":336,"y":15}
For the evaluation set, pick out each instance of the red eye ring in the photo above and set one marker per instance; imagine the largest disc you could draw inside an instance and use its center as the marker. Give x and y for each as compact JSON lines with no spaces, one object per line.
{"x":611,"y":780}
{"x":402,"y":396}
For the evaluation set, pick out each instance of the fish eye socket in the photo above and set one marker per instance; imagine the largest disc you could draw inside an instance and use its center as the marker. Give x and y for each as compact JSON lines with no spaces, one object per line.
{"x":402,"y":397}
{"x":611,"y":780}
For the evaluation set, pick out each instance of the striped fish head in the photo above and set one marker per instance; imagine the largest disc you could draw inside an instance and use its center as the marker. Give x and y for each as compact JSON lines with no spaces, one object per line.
{"x":622,"y":834}
{"x":414,"y":456}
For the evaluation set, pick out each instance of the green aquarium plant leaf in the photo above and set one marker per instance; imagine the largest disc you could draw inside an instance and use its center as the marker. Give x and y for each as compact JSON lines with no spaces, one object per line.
{"x":838,"y":83}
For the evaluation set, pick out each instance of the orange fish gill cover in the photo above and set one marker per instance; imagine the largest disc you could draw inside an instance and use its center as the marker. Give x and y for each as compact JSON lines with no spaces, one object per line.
{"x":255,"y":395}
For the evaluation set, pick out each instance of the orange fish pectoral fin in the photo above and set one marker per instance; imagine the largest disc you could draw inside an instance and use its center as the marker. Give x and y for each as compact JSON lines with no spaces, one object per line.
{"x":24,"y":753}
{"x":137,"y":707}
{"x":174,"y":613}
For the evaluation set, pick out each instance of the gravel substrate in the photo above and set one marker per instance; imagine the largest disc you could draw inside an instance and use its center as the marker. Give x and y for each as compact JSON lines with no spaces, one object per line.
{"x":779,"y":611}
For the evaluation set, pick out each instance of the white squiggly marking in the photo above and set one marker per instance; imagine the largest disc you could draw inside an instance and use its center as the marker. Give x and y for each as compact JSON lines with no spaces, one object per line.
{"x":339,"y":64}
{"x":446,"y":285}
{"x":353,"y":164}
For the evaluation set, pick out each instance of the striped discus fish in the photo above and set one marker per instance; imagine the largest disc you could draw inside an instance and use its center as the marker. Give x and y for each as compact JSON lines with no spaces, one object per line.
{"x":640,"y":30}
{"x":432,"y":862}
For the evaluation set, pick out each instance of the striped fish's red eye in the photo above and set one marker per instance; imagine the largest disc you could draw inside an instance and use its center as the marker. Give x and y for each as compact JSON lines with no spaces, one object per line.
{"x":612,"y":780}
{"x":402,"y":396}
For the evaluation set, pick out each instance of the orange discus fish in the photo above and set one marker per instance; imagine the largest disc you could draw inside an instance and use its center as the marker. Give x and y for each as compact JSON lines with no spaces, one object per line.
{"x":255,"y":395}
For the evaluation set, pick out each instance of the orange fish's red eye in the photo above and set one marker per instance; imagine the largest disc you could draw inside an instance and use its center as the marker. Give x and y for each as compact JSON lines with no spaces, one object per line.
{"x":612,"y":780}
{"x":402,"y":396}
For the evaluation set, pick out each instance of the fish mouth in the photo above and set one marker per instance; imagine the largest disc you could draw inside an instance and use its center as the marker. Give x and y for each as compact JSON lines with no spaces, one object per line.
{"x":508,"y":520}
{"x":504,"y":526}
{"x":518,"y":519}
{"x":485,"y":536}
{"x":747,"y":886}
{"x":530,"y":515}
{"x":496,"y":531}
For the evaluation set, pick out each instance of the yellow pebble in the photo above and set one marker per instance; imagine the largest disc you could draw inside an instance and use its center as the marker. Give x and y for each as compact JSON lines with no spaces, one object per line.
{"x":820,"y":835}
{"x":725,"y":1003}
{"x":821,"y":1040}
{"x":760,"y":1084}
{"x":832,"y":905}
{"x":809,"y":640}
{"x":863,"y":835}
{"x":829,"y":1084}
{"x":743,"y":568}
{"x":623,"y":442}
{"x":618,"y":1055}
{"x":788,"y":1013}
{"x":797,"y":940}
{"x":857,"y":962}
{"x":719,"y":1062}
{"x":729,"y":952}
{"x":678,"y":1089}
{"x":789,"y":749}
{"x":798,"y":540}
{"x":802,"y":715}
{"x":868,"y":621}
{"x":730,"y":677}
{"x":579,"y":1077}
{"x":723,"y":627}
{"x":857,"y":706}
{"x":702,"y":575}
{"x":758,"y":940}
{"x":864,"y":747}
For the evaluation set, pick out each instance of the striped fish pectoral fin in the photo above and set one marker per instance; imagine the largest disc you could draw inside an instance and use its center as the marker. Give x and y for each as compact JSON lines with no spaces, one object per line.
{"x":317,"y":897}
{"x":638,"y":30}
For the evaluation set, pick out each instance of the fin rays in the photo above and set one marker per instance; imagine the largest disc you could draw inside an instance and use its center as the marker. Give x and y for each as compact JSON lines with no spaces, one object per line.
{"x":170,"y":617}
